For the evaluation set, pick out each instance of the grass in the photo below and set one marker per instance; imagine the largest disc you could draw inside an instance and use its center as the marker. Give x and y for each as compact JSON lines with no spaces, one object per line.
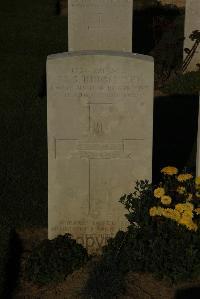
{"x":34,"y":32}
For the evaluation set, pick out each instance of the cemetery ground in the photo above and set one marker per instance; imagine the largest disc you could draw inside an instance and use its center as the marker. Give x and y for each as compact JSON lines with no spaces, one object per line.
{"x":35,"y":31}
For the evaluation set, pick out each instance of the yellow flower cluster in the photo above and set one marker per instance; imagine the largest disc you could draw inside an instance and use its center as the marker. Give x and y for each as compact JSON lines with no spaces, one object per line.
{"x":191,"y":225}
{"x":182,"y":207}
{"x":186,"y":212}
{"x":184,"y":177}
{"x":172,"y":214}
{"x":160,"y":193}
{"x":183,"y":214}
{"x":168,"y":213}
{"x":169,"y":170}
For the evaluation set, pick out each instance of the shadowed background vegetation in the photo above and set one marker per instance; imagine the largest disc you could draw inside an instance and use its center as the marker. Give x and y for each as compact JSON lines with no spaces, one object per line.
{"x":28,"y":34}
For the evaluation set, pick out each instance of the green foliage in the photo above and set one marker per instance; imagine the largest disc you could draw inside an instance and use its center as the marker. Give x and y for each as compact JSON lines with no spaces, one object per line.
{"x":161,"y":248}
{"x":188,"y":83}
{"x":137,"y":203}
{"x":53,"y":260}
{"x":157,"y":245}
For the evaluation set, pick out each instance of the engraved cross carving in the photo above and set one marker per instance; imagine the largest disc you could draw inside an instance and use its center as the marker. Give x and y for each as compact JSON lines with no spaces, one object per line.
{"x":75,"y":148}
{"x":99,"y":23}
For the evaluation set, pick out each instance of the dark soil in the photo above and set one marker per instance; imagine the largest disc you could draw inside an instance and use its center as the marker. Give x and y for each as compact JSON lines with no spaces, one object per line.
{"x":138,"y":285}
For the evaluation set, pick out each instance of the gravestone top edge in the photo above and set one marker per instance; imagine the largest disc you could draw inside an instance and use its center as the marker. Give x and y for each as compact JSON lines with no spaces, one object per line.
{"x":100,"y":53}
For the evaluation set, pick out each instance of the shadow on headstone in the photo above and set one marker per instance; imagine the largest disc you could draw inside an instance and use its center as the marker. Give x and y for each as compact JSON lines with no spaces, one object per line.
{"x":175,"y":132}
{"x":190,"y":293}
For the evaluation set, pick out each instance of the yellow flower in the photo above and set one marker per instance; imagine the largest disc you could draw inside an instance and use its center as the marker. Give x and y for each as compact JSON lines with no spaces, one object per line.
{"x":197,"y":180}
{"x":182,"y":207}
{"x":181,"y":190}
{"x":159,"y":211}
{"x":187,"y":214}
{"x":169,"y":213}
{"x":197,"y":211}
{"x":192,"y":226}
{"x":187,"y":221}
{"x":166,"y":200}
{"x":172,"y":214}
{"x":159,"y":192}
{"x":155,"y":211}
{"x":189,"y":197}
{"x":176,"y":215}
{"x":189,"y":205}
{"x":179,"y":207}
{"x":169,"y":170}
{"x":184,"y":177}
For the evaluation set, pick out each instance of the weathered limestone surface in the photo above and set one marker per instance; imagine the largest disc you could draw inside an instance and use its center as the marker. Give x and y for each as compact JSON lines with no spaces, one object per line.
{"x":100,"y":130}
{"x":192,"y":22}
{"x":100,"y":25}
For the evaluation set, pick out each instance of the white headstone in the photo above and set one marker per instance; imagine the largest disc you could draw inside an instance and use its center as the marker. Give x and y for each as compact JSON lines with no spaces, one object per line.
{"x":100,"y":25}
{"x":100,"y":130}
{"x":192,"y":22}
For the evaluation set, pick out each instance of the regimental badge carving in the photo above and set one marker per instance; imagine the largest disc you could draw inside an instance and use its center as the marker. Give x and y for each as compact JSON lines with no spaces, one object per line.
{"x":98,"y":128}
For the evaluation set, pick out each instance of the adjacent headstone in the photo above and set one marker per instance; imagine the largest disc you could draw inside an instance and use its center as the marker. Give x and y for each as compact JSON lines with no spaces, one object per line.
{"x":192,"y":22}
{"x":198,"y":145}
{"x":100,"y":25}
{"x":100,"y":130}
